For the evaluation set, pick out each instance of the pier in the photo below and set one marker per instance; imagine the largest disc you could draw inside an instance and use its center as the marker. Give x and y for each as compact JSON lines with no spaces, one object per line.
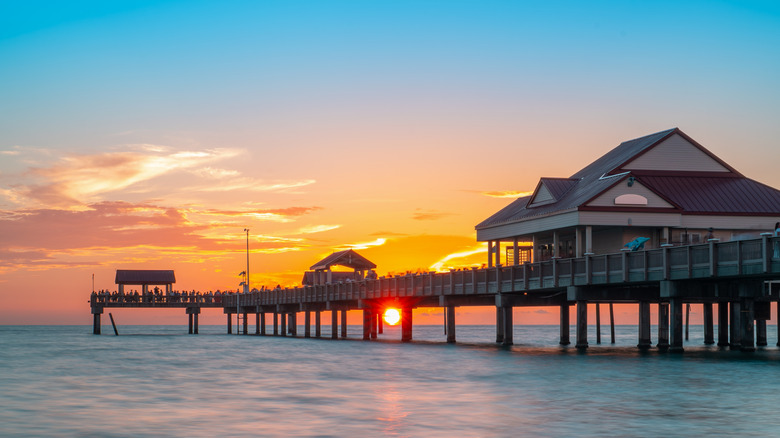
{"x":738,"y":276}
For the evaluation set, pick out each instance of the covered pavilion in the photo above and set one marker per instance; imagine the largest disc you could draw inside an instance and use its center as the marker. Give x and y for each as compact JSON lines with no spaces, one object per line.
{"x":145,"y":278}
{"x":322,"y":273}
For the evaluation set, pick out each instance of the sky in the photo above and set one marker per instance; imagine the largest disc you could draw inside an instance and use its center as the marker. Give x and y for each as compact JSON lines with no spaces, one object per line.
{"x":149,"y":134}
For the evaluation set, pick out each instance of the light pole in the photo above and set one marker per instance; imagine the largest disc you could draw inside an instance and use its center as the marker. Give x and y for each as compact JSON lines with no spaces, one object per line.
{"x":247,"y":260}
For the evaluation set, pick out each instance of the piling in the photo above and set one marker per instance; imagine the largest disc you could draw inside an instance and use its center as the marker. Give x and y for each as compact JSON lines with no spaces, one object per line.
{"x":760,"y":333}
{"x":565,"y":324}
{"x":676,"y":322}
{"x":116,"y":333}
{"x":499,"y":325}
{"x":747,"y":317}
{"x":307,"y":324}
{"x":230,"y":323}
{"x":723,"y":324}
{"x":450,"y":316}
{"x":284,"y":324}
{"x":612,"y":322}
{"x":582,"y":324}
{"x":343,"y":323}
{"x":709,"y":329}
{"x":406,"y":324}
{"x":735,"y":341}
{"x":317,"y":324}
{"x":644,"y":325}
{"x":334,"y":322}
{"x":663,"y":326}
{"x":598,"y":323}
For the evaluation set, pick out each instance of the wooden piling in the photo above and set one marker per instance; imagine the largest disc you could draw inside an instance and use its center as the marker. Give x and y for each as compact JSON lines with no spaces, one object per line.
{"x":709,"y":327}
{"x":95,"y":323}
{"x":246,"y":324}
{"x":380,"y":323}
{"x":612,"y":322}
{"x":374,"y":324}
{"x":509,"y":327}
{"x":334,"y":322}
{"x":735,"y":341}
{"x":723,"y":324}
{"x":598,"y":323}
{"x":564,"y":325}
{"x":450,"y":316}
{"x":499,"y":325}
{"x":676,"y":325}
{"x":262,"y":324}
{"x":307,"y":324}
{"x":747,"y":341}
{"x":284,"y":324}
{"x":366,"y":324}
{"x":406,"y":324}
{"x":644,"y":326}
{"x":230,"y":323}
{"x":760,"y":332}
{"x":663,"y":326}
{"x":343,"y":323}
{"x":116,"y":333}
{"x":189,"y":318}
{"x":257,"y":323}
{"x":582,"y":324}
{"x":317,"y":324}
{"x":687,"y":319}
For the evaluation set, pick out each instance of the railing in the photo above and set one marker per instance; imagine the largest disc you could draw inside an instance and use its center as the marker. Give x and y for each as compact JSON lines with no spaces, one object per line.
{"x":713,"y":259}
{"x":109,"y":299}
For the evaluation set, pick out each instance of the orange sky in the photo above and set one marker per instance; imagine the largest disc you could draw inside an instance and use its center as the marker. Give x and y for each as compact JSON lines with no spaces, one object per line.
{"x":149,"y":135}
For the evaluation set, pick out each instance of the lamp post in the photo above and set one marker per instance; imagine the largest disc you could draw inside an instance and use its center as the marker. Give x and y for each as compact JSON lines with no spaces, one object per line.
{"x":246,"y":283}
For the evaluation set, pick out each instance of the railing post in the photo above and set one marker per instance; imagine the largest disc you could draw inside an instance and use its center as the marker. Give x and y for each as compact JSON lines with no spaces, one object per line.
{"x":765,"y":255}
{"x":739,"y":257}
{"x":452,"y":282}
{"x":606,"y":268}
{"x":713,"y":260}
{"x":498,"y":280}
{"x":665,"y":260}
{"x":624,"y":261}
{"x":555,"y":271}
{"x":525,"y":276}
{"x":588,"y":269}
{"x":689,"y":258}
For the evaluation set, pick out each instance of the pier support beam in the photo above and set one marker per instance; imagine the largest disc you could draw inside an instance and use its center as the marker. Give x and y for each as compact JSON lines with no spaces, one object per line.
{"x":499,"y":325}
{"x":676,"y":329}
{"x":284,"y":324}
{"x":450,"y":324}
{"x":509,"y":327}
{"x":644,"y":325}
{"x":380,"y":323}
{"x":230,"y":323}
{"x":565,"y":329}
{"x":334,"y":324}
{"x":709,"y":328}
{"x":735,"y":341}
{"x":366,"y":324}
{"x":307,"y":324}
{"x":276,"y":323}
{"x":257,"y":322}
{"x":317,"y":324}
{"x":760,"y":333}
{"x":246,"y":324}
{"x":748,"y":336}
{"x":262,"y":324}
{"x":192,"y":313}
{"x":723,"y":324}
{"x":374,"y":324}
{"x":343,"y":323}
{"x":663,"y":326}
{"x":95,"y":323}
{"x":406,"y":324}
{"x":598,"y":323}
{"x":582,"y":324}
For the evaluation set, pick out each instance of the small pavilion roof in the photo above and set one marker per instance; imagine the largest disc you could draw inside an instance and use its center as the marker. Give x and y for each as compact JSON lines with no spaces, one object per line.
{"x":348,"y":258}
{"x":144,"y":276}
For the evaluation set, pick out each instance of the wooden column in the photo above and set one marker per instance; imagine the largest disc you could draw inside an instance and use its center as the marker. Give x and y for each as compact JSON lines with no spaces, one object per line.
{"x":406,"y":324}
{"x":723,"y":324}
{"x":676,"y":329}
{"x":317,"y":324}
{"x":589,"y":239}
{"x":598,"y":323}
{"x":276,"y":323}
{"x":663,"y":326}
{"x":366,"y":324}
{"x":747,"y":342}
{"x":334,"y":322}
{"x":735,"y":341}
{"x":515,"y":252}
{"x":490,"y":253}
{"x":582,"y":324}
{"x":760,"y":333}
{"x":498,"y":253}
{"x":499,"y":325}
{"x":565,"y":329}
{"x":612,"y":322}
{"x":343,"y":323}
{"x":450,"y":324}
{"x":644,"y":325}
{"x":307,"y":324}
{"x":508,"y":325}
{"x":230,"y":323}
{"x":709,"y":327}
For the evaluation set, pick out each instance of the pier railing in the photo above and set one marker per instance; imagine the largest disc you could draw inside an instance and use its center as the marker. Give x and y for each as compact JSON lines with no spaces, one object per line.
{"x":755,"y":257}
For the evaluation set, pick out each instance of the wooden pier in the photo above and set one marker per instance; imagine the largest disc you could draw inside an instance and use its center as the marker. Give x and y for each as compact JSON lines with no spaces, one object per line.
{"x":736,"y":275}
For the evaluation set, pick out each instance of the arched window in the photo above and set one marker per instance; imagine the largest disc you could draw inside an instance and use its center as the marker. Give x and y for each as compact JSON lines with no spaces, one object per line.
{"x":630,"y":199}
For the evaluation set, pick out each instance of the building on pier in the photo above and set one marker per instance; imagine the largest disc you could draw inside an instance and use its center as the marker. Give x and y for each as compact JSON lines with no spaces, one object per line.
{"x":664,"y":186}
{"x":145,"y":278}
{"x":322,"y":271}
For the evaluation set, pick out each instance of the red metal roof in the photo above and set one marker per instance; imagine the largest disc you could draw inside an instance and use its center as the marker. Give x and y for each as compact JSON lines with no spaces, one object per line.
{"x":717,"y":195}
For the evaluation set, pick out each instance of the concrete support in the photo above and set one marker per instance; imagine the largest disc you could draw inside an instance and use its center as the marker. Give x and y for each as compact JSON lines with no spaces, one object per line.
{"x":380,"y":323}
{"x":262,"y":324}
{"x":450,"y":324}
{"x":747,"y":343}
{"x":612,"y":322}
{"x":508,"y":325}
{"x":374,"y":324}
{"x":499,"y":325}
{"x":246,"y":324}
{"x":490,"y":253}
{"x":582,"y":324}
{"x":709,"y":326}
{"x":366,"y":324}
{"x":676,"y":329}
{"x":95,"y":323}
{"x":735,"y":341}
{"x":598,"y":323}
{"x":663,"y":326}
{"x":293,"y":324}
{"x":334,"y":322}
{"x":307,"y":324}
{"x":760,"y":333}
{"x":276,"y":324}
{"x":644,"y":325}
{"x":723,"y":324}
{"x":284,"y":324}
{"x":190,"y":322}
{"x":565,"y":330}
{"x":343,"y":323}
{"x":257,"y":323}
{"x":317,"y":324}
{"x":230,"y":323}
{"x":778,"y":323}
{"x":196,"y":321}
{"x":406,"y":324}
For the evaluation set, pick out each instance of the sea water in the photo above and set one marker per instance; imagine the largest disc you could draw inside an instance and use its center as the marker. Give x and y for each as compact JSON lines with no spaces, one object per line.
{"x":158,"y":381}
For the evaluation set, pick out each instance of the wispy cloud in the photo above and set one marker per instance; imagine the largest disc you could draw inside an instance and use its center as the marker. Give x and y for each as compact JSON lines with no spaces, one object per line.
{"x":506,"y":194}
{"x":363,"y":245}
{"x":313,"y":229}
{"x":446,"y":262}
{"x":429,"y":215}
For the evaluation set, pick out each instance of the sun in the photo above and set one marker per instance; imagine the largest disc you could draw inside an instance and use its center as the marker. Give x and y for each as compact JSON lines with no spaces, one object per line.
{"x":392,"y":316}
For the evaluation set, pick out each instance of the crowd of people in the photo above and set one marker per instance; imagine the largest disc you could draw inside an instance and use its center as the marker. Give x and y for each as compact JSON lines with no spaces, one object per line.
{"x":159,"y":296}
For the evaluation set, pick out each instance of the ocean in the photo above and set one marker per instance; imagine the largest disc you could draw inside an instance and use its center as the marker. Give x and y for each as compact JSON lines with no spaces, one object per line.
{"x":158,"y":381}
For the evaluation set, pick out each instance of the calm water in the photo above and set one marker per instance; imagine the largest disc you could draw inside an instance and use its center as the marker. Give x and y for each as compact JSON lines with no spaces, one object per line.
{"x":159,"y":381}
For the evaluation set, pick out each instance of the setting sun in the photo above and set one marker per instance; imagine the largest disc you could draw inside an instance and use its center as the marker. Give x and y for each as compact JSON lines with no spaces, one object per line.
{"x":392,"y":316}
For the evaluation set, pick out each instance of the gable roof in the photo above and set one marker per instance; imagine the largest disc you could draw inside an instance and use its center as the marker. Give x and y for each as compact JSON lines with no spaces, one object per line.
{"x":724,"y":192}
{"x":348,"y":258}
{"x":140,"y":276}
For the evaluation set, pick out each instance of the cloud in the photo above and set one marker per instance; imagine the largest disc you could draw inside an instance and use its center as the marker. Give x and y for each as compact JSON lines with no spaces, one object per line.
{"x":443,"y":265}
{"x":429,"y":215}
{"x":378,"y":242}
{"x":506,"y":194}
{"x":313,"y":229}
